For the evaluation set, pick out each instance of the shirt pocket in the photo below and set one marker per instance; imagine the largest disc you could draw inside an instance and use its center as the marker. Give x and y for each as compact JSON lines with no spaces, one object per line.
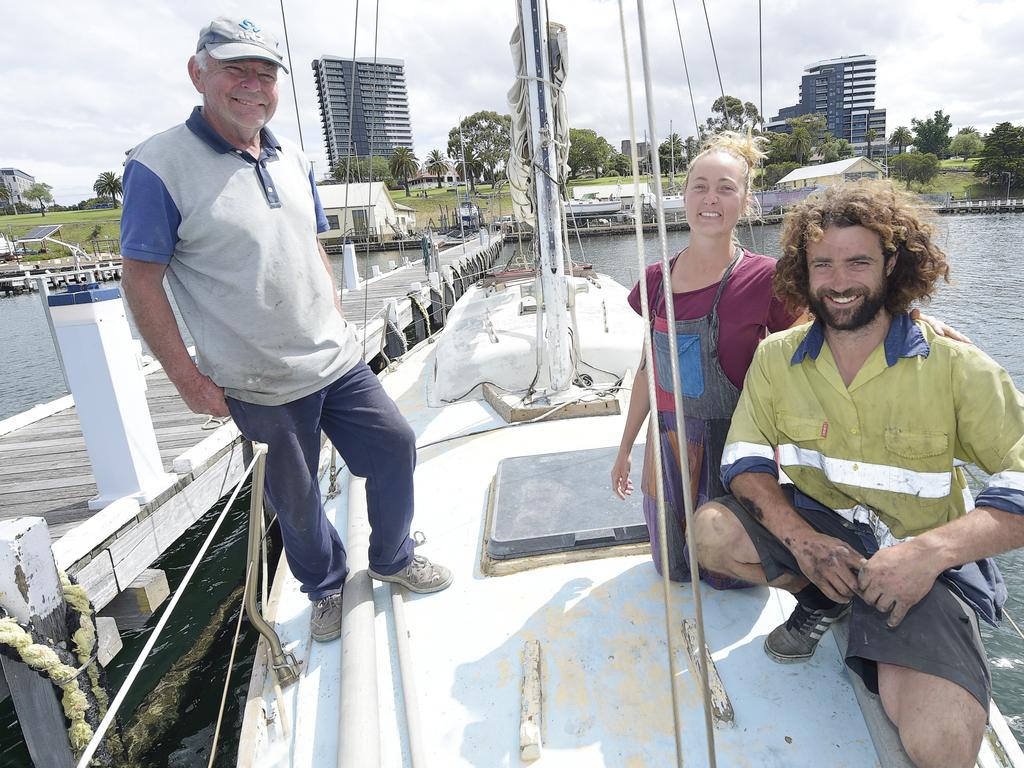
{"x":914,"y":444}
{"x":801,"y":429}
{"x":691,"y":368}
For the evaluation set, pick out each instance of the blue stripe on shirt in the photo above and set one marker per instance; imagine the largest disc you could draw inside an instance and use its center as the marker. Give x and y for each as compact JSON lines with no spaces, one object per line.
{"x":321,"y":217}
{"x":149,"y":218}
{"x":748,"y":464}
{"x":1007,"y":499}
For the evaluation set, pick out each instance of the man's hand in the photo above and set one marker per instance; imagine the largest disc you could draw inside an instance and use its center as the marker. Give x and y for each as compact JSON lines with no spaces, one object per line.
{"x":894,"y":580}
{"x":201,"y":395}
{"x":622,"y":486}
{"x":829,"y":563}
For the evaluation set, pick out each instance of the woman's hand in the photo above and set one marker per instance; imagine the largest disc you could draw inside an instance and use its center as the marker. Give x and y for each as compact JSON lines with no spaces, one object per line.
{"x":622,"y":486}
{"x":938,"y":326}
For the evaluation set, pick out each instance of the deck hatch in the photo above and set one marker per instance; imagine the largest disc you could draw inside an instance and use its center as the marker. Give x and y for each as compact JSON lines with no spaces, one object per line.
{"x":559,"y":502}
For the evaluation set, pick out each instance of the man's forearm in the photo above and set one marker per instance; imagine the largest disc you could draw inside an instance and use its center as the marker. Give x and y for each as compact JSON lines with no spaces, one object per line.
{"x":983,"y":532}
{"x":764,"y":500}
{"x":143,"y":289}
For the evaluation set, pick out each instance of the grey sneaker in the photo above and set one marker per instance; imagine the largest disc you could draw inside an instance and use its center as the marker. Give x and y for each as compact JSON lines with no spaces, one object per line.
{"x":420,"y":575}
{"x":798,"y":637}
{"x":325,"y":620}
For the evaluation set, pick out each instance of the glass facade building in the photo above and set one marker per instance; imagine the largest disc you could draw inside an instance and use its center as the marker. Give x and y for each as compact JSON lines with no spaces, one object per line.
{"x":843,"y":91}
{"x":375,"y":90}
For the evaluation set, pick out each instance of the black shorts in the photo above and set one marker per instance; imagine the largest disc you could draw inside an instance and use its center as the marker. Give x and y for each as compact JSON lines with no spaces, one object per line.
{"x":938,"y":636}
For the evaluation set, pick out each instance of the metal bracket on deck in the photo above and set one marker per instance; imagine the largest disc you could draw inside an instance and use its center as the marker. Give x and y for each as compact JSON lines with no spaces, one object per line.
{"x":286,"y":668}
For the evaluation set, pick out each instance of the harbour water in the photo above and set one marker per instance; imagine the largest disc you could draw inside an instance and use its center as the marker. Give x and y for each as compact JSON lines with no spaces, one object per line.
{"x":983,"y":302}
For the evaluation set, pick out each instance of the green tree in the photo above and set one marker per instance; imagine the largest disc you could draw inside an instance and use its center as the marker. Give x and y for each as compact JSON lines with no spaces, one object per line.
{"x":437,"y":165}
{"x":731,"y":113}
{"x":362,"y":169}
{"x":921,"y":167}
{"x":966,"y":144}
{"x":692,"y":147}
{"x":587,"y":152}
{"x":108,"y":184}
{"x":902,"y":137}
{"x":403,"y":166}
{"x":672,"y":154}
{"x":619,"y":164}
{"x":777,"y":149}
{"x":771,"y":174}
{"x":800,"y":144}
{"x":932,"y":135}
{"x":829,"y":151}
{"x":487,"y":137}
{"x":870,"y":136}
{"x":814,"y":124}
{"x":1002,"y":154}
{"x":41,"y":193}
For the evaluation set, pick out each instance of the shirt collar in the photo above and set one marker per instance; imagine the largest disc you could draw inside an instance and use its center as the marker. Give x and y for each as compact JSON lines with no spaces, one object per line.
{"x":904,"y":339}
{"x":201,"y":127}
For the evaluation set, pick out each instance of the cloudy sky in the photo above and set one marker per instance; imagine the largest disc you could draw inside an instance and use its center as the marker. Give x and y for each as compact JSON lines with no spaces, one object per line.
{"x":83,"y":81}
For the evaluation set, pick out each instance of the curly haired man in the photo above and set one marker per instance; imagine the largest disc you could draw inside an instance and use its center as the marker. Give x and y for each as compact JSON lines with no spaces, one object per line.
{"x":869,"y":414}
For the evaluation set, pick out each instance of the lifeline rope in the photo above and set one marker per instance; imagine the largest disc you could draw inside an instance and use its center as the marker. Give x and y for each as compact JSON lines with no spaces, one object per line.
{"x":659,"y":480}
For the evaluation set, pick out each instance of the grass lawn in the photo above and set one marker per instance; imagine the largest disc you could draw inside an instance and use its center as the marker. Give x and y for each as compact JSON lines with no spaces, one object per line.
{"x":78,"y":227}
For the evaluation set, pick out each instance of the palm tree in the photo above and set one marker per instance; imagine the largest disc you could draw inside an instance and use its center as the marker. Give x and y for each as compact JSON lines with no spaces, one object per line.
{"x":869,"y":136}
{"x":403,"y":166}
{"x":901,"y":137}
{"x":108,"y":184}
{"x":799,"y":144}
{"x":437,"y":164}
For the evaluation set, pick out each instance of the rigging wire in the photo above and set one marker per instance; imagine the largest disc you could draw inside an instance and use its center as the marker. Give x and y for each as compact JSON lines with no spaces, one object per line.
{"x":369,"y":161}
{"x":348,"y":157}
{"x":725,"y":105}
{"x":680,"y":415}
{"x":659,"y":479}
{"x":686,"y":70}
{"x":291,"y":76}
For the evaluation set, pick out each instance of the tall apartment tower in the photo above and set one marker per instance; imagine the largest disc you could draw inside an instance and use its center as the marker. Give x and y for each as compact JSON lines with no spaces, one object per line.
{"x":843,"y":90}
{"x":380,"y":106}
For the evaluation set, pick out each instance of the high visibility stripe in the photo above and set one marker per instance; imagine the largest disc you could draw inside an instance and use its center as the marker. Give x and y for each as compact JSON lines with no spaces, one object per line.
{"x":878,"y":477}
{"x":735,"y":451}
{"x":881,"y":532}
{"x":1008,"y":479}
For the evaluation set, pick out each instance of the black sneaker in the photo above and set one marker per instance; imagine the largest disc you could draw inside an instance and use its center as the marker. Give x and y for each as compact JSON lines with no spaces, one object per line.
{"x":325,"y":621}
{"x":798,"y":637}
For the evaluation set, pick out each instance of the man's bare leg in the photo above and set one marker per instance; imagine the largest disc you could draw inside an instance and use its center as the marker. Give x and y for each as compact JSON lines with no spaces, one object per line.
{"x":940,"y":724}
{"x":724,"y":547}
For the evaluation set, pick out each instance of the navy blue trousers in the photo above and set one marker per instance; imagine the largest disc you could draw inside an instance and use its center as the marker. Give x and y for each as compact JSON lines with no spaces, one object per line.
{"x":374,"y":440}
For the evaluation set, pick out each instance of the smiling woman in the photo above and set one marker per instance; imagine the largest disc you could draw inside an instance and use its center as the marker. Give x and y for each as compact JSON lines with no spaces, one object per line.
{"x":723,"y":306}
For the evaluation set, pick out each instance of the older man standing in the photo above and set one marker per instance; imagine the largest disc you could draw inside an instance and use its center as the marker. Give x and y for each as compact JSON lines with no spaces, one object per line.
{"x":868,"y":413}
{"x":230,"y":215}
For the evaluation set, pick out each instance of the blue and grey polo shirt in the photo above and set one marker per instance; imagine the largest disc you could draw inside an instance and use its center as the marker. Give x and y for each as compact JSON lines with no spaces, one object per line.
{"x":238,"y":236}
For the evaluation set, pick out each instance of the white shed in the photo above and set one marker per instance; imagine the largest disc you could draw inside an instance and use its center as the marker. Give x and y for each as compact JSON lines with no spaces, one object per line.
{"x":363,"y":210}
{"x":827,"y":174}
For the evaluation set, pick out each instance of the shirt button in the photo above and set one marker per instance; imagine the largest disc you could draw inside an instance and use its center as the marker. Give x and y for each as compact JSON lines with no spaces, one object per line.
{"x":856,"y":467}
{"x":854,"y":431}
{"x":270,"y":189}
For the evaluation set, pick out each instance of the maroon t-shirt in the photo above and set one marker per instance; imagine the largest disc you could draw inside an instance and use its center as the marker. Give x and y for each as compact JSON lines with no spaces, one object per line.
{"x":747,"y":312}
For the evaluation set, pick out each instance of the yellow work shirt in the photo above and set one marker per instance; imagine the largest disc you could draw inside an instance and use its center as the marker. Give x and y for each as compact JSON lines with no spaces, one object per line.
{"x":882,"y":450}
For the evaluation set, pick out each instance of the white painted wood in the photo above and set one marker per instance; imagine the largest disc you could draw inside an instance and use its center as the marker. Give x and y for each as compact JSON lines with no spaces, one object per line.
{"x":36,"y":413}
{"x":97,"y":578}
{"x":199,"y":455}
{"x":108,"y":639}
{"x":83,"y":538}
{"x":531,"y":716}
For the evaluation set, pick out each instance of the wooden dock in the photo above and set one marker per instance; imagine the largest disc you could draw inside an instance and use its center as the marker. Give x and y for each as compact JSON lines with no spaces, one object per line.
{"x":1006,"y":205}
{"x":45,"y":470}
{"x":15,"y":280}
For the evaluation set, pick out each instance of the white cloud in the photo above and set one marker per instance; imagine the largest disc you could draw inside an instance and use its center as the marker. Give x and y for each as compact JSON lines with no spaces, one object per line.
{"x":83,"y":82}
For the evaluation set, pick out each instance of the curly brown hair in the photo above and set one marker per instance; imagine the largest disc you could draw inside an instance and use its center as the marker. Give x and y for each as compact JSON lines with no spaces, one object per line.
{"x":900,"y":222}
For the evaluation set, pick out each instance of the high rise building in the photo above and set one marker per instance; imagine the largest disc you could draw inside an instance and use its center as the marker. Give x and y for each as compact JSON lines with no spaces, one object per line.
{"x":380,"y":106}
{"x":17,"y":183}
{"x":843,"y":90}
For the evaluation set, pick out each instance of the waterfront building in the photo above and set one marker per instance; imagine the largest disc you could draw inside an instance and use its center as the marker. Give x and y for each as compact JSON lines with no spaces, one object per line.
{"x":363,"y":211}
{"x":843,"y":91}
{"x":827,"y":174}
{"x":17,"y":183}
{"x":379,"y":102}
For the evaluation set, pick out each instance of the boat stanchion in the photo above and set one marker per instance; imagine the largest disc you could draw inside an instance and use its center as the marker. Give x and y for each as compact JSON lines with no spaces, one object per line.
{"x":285,"y":667}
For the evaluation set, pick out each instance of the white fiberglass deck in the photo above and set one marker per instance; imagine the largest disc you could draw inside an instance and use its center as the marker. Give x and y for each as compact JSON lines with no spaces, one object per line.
{"x":600,"y":624}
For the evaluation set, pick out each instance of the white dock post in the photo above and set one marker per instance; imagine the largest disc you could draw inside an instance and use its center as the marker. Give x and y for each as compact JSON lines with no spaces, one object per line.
{"x":106,"y":381}
{"x":375,"y":271}
{"x":392,"y":265}
{"x":435,"y":281}
{"x":30,"y":591}
{"x":349,"y":265}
